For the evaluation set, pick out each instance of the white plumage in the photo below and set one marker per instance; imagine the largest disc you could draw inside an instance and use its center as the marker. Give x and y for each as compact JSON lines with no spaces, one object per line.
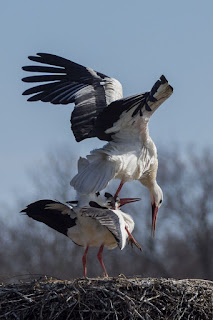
{"x":101,"y":111}
{"x":99,"y":224}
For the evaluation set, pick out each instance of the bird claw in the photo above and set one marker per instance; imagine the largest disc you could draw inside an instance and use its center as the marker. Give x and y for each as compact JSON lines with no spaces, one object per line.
{"x":133,"y":242}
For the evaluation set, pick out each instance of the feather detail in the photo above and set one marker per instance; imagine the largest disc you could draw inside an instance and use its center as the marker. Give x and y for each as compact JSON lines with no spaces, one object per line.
{"x":94,"y":177}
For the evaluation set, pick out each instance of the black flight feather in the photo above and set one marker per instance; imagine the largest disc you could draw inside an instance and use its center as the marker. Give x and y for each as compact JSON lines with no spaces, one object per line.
{"x":51,"y":217}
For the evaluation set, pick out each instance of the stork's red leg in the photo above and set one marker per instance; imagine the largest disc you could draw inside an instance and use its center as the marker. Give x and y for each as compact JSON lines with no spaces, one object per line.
{"x":99,"y":255}
{"x":119,"y":189}
{"x":132,"y":239}
{"x":84,"y":260}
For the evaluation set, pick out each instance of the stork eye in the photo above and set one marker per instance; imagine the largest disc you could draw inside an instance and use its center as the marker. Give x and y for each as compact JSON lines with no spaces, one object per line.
{"x":161,"y":201}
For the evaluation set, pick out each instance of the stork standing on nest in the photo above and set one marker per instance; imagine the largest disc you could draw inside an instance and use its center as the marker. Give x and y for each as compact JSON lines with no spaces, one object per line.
{"x":101,"y":111}
{"x":99,"y":224}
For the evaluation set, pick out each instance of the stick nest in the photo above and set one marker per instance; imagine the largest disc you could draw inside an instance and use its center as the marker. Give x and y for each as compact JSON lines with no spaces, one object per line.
{"x":113,"y":298}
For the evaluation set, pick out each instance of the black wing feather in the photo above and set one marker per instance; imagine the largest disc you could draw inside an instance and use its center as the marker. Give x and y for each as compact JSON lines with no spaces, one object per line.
{"x":45,"y":78}
{"x":51,"y":217}
{"x":43,"y":69}
{"x":69,"y":82}
{"x":137,"y":103}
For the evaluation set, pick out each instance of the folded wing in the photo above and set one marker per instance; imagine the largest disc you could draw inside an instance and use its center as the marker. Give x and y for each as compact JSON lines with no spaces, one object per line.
{"x":108,"y":219}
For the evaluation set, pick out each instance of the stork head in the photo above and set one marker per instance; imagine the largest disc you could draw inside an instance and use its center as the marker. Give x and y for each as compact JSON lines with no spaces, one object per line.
{"x":116,"y":203}
{"x":156,"y":195}
{"x":106,"y":201}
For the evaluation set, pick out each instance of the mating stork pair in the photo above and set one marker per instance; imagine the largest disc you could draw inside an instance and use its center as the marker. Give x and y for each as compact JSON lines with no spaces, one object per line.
{"x":101,"y":111}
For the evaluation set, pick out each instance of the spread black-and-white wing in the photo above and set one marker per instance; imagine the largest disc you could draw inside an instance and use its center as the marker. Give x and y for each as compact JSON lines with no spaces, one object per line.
{"x":69,"y":82}
{"x":91,"y":91}
{"x":121,"y":113}
{"x":56,"y":215}
{"x":108,"y":219}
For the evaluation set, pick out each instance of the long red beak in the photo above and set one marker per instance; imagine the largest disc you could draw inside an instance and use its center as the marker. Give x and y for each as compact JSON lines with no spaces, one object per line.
{"x":124,"y":201}
{"x":154,"y":218}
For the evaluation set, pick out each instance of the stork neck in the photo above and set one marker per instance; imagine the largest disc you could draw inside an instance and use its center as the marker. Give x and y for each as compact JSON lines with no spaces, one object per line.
{"x":156,"y":193}
{"x":153,"y":185}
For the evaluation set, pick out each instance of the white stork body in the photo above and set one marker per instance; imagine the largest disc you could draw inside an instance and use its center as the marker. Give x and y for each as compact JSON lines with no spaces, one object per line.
{"x":87,"y":226}
{"x":88,"y":231}
{"x":133,"y":158}
{"x":101,"y":111}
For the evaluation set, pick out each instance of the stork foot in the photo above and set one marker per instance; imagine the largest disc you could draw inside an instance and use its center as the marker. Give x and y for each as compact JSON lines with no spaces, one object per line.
{"x":132,"y":240}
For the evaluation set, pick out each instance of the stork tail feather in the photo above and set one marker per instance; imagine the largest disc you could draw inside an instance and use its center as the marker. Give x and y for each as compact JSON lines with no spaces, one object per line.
{"x":95,"y":177}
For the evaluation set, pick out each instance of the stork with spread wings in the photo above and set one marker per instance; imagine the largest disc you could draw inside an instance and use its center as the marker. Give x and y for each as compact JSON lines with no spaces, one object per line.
{"x":101,"y":111}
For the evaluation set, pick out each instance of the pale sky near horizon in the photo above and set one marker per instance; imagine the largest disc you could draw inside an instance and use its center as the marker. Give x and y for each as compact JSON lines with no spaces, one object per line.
{"x":135,"y":42}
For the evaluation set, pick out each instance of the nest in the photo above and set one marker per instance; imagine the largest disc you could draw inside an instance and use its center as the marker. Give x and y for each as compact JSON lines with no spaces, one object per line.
{"x":113,"y":298}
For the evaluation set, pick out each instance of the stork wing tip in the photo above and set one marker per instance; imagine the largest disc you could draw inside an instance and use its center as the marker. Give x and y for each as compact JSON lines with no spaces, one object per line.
{"x":163,"y":79}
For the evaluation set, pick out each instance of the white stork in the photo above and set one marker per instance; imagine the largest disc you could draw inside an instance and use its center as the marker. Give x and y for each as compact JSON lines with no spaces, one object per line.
{"x":101,"y":111}
{"x":100,"y":223}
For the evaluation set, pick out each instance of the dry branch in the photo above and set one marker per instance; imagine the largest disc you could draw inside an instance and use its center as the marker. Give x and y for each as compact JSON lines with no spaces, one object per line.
{"x":113,"y":298}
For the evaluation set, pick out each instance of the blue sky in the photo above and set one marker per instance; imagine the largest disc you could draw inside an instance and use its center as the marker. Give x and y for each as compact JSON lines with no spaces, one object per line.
{"x":134,"y":42}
